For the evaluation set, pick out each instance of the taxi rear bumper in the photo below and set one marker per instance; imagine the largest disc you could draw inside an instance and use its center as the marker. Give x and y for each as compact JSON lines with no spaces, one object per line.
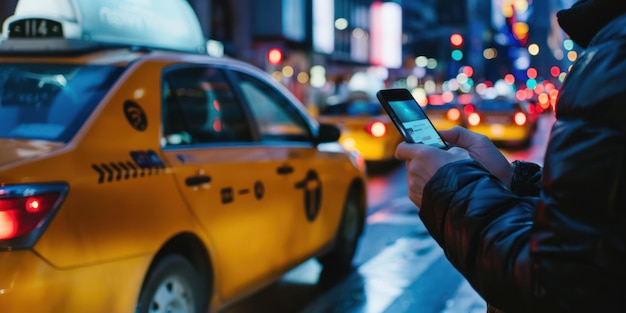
{"x":500,"y":132}
{"x":29,"y":284}
{"x":444,"y":124}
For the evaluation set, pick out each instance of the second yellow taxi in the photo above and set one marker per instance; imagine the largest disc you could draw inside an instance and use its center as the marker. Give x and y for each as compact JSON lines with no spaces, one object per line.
{"x":364,"y":126}
{"x":504,"y":121}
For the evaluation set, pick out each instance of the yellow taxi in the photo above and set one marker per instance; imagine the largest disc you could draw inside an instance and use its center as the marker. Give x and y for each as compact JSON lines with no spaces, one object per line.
{"x":505,"y":121}
{"x":364,"y":126}
{"x":139,"y":174}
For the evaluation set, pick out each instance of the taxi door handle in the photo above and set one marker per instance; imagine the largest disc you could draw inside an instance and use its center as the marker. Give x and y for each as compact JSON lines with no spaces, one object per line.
{"x":197,"y":180}
{"x":284,"y":170}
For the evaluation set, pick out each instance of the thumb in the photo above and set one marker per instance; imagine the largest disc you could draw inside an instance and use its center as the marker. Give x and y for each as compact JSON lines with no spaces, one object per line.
{"x":404,"y":151}
{"x":459,"y":136}
{"x":451,"y":135}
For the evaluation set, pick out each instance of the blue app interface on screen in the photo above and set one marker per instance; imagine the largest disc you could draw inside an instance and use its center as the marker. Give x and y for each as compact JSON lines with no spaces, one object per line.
{"x":416,"y":123}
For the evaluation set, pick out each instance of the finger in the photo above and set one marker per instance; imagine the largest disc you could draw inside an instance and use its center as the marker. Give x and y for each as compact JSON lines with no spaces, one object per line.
{"x":460,"y":136}
{"x":407,"y":151}
{"x":404,"y":151}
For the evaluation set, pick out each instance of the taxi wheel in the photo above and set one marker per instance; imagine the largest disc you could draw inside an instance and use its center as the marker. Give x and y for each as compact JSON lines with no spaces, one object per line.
{"x":338,"y":261}
{"x":173,"y":285}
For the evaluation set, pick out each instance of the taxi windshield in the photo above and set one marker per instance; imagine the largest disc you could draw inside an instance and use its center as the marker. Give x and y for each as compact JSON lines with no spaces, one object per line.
{"x":50,"y":101}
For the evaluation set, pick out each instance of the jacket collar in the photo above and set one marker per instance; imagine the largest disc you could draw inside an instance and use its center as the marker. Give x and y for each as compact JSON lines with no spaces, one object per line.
{"x":613,"y":30}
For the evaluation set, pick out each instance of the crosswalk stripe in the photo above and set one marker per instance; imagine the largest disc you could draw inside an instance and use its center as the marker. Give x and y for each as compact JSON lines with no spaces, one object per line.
{"x":410,"y":275}
{"x":388,"y":274}
{"x":428,"y":293}
{"x":465,"y":300}
{"x":384,"y":278}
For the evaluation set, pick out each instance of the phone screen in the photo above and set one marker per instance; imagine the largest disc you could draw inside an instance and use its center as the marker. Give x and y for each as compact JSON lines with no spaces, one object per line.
{"x":416,"y":123}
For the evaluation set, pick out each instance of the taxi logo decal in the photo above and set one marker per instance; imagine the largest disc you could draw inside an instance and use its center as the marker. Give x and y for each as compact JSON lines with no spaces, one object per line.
{"x":135,"y":115}
{"x":312,"y":194}
{"x":147,"y":159}
{"x":144,"y":163}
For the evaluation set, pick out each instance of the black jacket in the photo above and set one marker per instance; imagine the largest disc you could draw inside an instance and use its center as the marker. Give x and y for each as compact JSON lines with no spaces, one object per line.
{"x":562,"y":249}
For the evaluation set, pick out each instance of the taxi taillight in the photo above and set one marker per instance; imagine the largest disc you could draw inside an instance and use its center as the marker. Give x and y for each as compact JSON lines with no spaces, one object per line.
{"x":473,"y":119}
{"x":377,"y":129}
{"x":519,"y":118}
{"x":453,"y":114}
{"x":25,"y":210}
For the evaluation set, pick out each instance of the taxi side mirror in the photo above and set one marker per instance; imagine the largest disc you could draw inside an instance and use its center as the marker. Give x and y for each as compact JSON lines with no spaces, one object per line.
{"x":328,"y":133}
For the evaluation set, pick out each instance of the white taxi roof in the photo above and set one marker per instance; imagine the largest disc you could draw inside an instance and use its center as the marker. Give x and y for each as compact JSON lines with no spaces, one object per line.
{"x":162,"y":24}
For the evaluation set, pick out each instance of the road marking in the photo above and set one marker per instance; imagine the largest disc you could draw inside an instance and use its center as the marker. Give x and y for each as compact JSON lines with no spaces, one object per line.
{"x":381,"y":280}
{"x":465,"y":300}
{"x":377,"y":218}
{"x":388,"y":274}
{"x":400,"y":211}
{"x":412,"y":273}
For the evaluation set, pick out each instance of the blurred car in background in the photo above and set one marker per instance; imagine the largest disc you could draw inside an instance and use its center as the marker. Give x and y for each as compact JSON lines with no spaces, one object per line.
{"x":533,"y":111}
{"x":503,"y":120}
{"x":445,"y":115}
{"x":138,"y":174}
{"x":364,"y":126}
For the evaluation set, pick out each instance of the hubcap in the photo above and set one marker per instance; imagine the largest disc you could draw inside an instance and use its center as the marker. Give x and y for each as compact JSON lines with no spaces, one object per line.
{"x":174,"y":295}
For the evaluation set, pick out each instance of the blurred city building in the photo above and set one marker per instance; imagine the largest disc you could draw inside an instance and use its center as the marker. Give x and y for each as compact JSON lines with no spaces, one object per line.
{"x":315,"y":46}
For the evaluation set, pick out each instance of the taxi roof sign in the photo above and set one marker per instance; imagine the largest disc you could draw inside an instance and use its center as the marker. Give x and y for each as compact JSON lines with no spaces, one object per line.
{"x":162,"y":24}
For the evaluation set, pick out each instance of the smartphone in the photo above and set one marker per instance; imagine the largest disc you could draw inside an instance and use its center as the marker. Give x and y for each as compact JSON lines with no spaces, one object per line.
{"x":409,"y":117}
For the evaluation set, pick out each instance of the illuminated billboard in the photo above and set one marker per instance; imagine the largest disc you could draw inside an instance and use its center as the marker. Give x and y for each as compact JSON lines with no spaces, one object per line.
{"x":386,"y":34}
{"x":324,"y":26}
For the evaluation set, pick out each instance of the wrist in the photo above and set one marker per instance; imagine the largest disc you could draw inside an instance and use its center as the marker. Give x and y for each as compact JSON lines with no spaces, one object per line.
{"x":525,"y":178}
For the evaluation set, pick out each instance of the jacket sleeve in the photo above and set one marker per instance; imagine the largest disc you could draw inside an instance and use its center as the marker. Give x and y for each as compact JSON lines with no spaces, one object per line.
{"x":483,"y":229}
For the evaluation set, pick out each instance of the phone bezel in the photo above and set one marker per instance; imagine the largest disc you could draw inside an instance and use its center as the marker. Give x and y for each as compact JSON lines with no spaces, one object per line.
{"x":400,"y":94}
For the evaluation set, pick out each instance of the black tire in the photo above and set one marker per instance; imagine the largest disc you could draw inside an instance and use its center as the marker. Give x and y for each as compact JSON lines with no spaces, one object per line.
{"x":173,"y":285}
{"x":337,"y":262}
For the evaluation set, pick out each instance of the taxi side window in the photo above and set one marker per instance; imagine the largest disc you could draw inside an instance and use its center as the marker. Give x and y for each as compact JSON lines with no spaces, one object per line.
{"x":276,"y":117}
{"x":199,"y":106}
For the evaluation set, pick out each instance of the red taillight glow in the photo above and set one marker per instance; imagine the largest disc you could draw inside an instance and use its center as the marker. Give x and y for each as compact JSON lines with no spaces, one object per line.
{"x":519,"y":118}
{"x":468,"y":109}
{"x":23,"y":214}
{"x":376,"y":129}
{"x":8,"y":224}
{"x":453,"y":114}
{"x":33,"y":205}
{"x":473,"y":119}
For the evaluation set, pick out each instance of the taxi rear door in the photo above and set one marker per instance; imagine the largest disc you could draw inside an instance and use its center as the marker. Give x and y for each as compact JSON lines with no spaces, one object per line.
{"x":234,"y":185}
{"x":316,"y":184}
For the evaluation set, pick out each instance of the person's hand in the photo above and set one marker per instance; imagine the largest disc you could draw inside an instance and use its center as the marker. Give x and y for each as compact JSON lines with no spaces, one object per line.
{"x":481,"y":149}
{"x":422,"y":163}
